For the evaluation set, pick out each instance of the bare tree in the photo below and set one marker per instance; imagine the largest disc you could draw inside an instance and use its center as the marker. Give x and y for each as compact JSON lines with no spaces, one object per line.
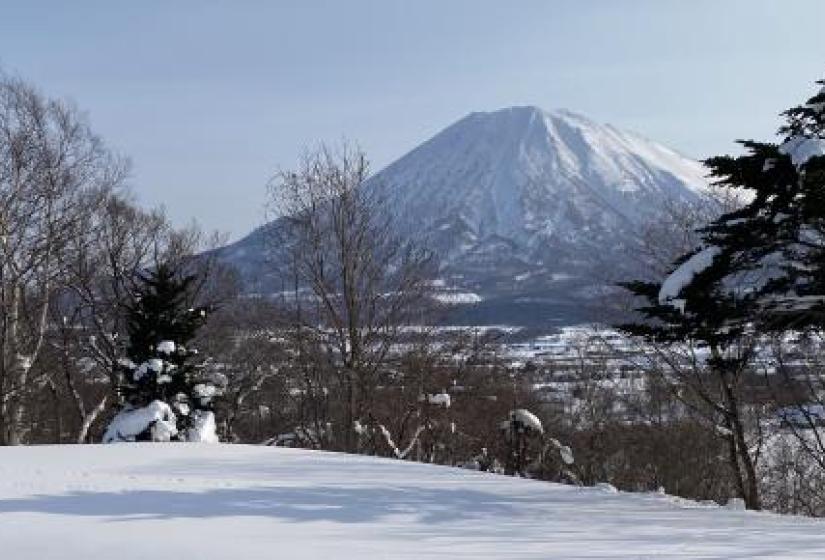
{"x":675,"y":229}
{"x":357,"y":283}
{"x":53,"y":171}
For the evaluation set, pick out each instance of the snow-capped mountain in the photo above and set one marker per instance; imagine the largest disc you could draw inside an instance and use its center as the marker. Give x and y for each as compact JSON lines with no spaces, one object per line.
{"x":526,"y":208}
{"x":533,"y":177}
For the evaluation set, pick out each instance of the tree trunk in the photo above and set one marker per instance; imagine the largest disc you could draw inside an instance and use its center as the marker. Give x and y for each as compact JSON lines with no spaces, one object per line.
{"x":740,"y":457}
{"x":16,"y":373}
{"x":89,"y":419}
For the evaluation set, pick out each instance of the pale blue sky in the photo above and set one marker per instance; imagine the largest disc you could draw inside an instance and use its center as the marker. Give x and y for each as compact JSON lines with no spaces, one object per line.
{"x":209,"y":98}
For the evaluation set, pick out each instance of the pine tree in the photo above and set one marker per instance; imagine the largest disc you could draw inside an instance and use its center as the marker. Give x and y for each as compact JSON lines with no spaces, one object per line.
{"x":165,"y":392}
{"x":761,"y":268}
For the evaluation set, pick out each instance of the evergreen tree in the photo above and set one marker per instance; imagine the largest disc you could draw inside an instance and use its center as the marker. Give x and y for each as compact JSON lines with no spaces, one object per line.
{"x":760,"y":268}
{"x":165,"y":391}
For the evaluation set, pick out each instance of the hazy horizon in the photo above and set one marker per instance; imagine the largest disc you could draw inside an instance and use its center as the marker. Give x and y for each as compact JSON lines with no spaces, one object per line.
{"x":208,"y":99}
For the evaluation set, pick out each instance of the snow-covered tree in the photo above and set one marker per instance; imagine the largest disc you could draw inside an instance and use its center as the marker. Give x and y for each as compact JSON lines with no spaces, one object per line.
{"x":758,"y":269}
{"x":166,"y":394}
{"x":520,"y":430}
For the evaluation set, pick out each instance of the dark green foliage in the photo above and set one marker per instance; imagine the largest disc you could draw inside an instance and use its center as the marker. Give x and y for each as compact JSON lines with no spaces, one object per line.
{"x":769,"y":271}
{"x":162,"y":312}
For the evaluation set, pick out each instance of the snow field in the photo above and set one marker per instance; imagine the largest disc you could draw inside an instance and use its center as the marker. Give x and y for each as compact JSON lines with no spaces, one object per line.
{"x":135,"y":501}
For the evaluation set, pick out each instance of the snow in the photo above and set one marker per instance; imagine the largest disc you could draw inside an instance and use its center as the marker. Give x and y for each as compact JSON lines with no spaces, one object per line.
{"x":528,"y":419}
{"x":683,"y":275}
{"x":166,"y":347}
{"x":566,"y":455}
{"x":203,"y":428}
{"x":126,"y":363}
{"x":438,"y":399}
{"x":205,"y":392}
{"x":482,"y":174}
{"x":154,"y":365}
{"x":565,"y":452}
{"x":802,"y":148}
{"x":215,"y":502}
{"x":129,"y":423}
{"x":457,"y":298}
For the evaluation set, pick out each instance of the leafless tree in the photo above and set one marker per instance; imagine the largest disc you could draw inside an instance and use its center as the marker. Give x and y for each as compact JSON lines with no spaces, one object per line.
{"x":675,"y":228}
{"x":357,"y":283}
{"x":53,"y":172}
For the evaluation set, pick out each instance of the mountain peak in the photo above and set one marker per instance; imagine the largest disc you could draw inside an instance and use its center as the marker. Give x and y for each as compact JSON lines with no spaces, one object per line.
{"x":525,"y":145}
{"x":535,"y":180}
{"x":525,"y":114}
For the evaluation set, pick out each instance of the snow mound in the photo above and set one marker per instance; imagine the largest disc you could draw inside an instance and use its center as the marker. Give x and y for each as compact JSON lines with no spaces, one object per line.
{"x":130,"y":423}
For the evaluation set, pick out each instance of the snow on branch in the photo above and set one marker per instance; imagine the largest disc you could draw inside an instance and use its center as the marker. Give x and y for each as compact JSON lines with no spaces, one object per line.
{"x":684,"y":274}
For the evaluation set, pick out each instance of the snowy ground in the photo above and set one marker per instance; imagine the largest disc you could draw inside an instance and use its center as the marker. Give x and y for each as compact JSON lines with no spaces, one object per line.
{"x":140,"y":501}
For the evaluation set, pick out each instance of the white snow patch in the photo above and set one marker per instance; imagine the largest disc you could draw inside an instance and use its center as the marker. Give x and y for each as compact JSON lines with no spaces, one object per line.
{"x":438,"y":399}
{"x":684,"y":274}
{"x":527,"y":418}
{"x":203,"y":428}
{"x":457,"y":298}
{"x":205,"y":392}
{"x":130,"y":423}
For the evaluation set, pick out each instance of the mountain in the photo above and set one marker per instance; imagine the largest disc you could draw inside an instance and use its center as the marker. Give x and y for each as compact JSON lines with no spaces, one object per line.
{"x":532,"y":212}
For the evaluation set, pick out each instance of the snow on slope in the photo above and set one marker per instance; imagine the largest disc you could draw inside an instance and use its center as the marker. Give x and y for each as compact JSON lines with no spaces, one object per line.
{"x":139,"y":501}
{"x":529,"y":176}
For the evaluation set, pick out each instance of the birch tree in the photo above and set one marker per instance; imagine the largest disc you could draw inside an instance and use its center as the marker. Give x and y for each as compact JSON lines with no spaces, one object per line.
{"x":53,"y":171}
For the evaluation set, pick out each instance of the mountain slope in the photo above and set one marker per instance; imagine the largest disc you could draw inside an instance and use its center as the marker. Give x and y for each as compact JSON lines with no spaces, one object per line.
{"x":139,"y":501}
{"x":526,"y":208}
{"x":524,"y":174}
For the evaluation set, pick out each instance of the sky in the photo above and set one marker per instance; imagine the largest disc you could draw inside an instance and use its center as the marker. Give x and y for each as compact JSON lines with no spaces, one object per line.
{"x":210,"y":98}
